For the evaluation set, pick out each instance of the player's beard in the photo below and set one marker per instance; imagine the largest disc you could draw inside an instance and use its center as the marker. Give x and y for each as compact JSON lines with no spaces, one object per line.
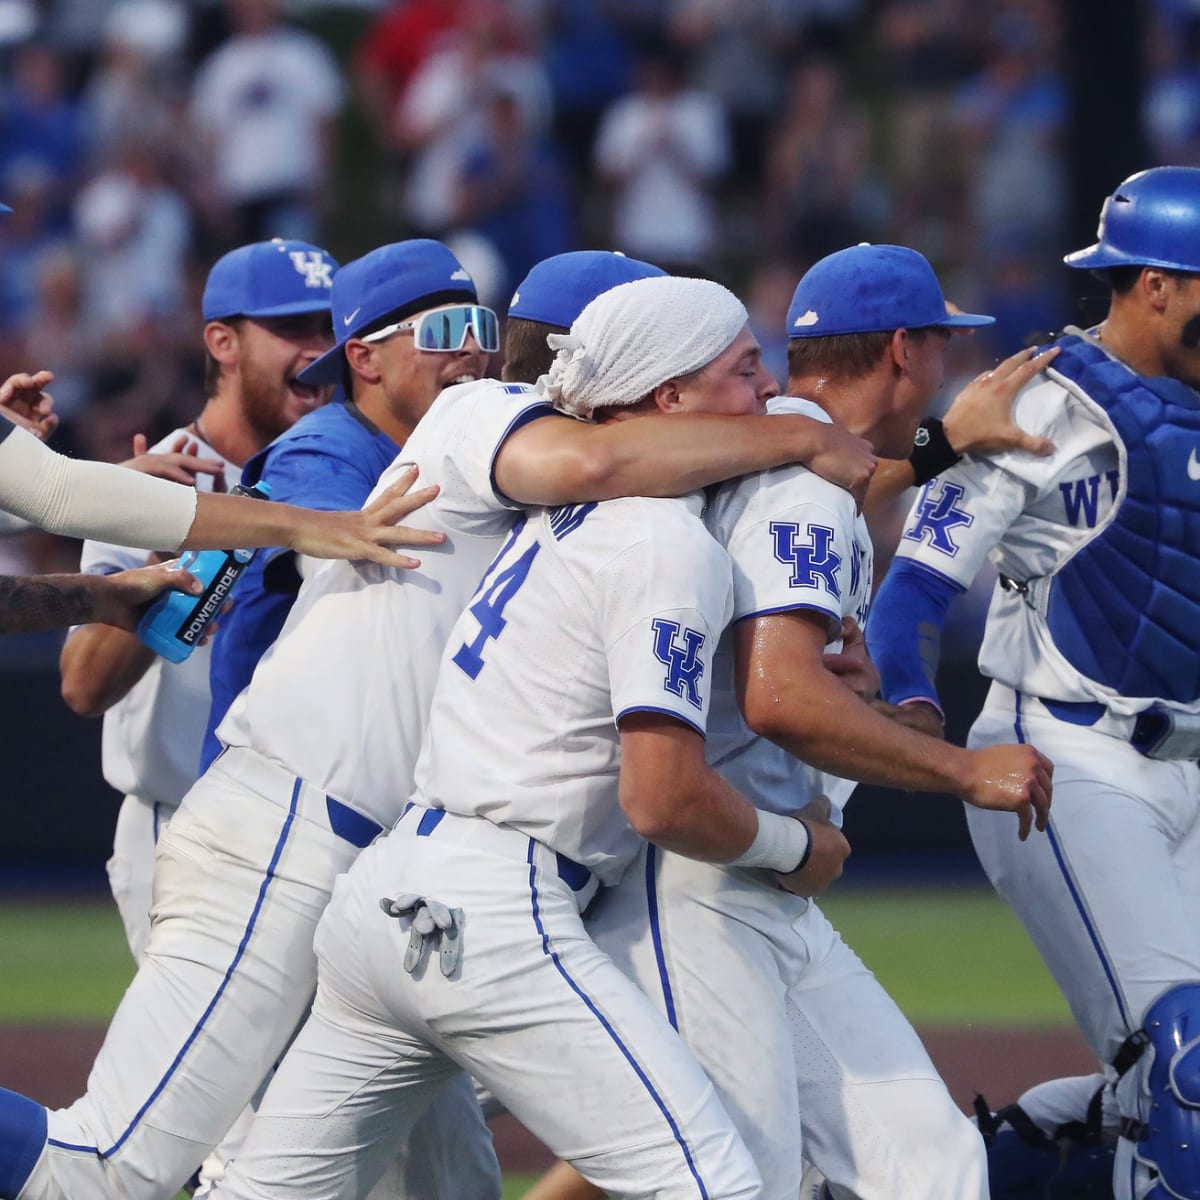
{"x":270,"y":403}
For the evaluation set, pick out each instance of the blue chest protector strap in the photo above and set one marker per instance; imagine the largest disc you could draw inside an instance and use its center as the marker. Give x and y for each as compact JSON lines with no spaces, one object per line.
{"x":1124,"y":608}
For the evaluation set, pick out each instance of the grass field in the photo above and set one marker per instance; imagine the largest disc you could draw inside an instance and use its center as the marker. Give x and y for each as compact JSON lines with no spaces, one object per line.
{"x":951,"y":958}
{"x":948,"y":957}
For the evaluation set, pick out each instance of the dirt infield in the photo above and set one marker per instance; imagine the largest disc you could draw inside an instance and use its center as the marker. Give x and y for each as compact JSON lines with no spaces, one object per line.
{"x":50,"y":1063}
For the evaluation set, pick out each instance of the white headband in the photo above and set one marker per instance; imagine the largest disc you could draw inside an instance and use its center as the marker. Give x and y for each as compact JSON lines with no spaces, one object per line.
{"x":637,"y":335}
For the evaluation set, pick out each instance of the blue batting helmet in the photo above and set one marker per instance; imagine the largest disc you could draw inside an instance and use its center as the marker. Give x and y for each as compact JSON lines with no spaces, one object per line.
{"x":1151,"y":220}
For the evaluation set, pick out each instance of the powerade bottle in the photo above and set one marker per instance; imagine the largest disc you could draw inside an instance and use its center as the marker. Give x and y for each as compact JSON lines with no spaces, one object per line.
{"x":174,"y":624}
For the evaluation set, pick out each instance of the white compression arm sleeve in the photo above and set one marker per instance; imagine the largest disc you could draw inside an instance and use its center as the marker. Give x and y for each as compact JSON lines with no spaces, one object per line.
{"x":92,"y":500}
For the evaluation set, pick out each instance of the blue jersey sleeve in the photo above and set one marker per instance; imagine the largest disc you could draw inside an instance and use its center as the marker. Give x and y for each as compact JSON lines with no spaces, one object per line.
{"x":904,"y":635}
{"x":315,"y":472}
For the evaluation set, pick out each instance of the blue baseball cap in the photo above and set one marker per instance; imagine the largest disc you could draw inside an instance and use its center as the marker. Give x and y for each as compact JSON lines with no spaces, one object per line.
{"x":398,"y":279}
{"x":558,"y":289}
{"x":867,"y":289}
{"x":278,"y":278}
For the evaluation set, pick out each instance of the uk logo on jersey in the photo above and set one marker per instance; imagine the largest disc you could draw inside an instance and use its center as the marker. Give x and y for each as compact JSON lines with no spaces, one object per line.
{"x":314,"y":266}
{"x":938,"y":515}
{"x":678,"y":649}
{"x":813,"y":561}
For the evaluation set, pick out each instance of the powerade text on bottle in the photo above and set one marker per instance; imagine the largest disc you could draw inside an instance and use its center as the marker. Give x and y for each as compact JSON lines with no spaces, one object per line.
{"x":175,"y":623}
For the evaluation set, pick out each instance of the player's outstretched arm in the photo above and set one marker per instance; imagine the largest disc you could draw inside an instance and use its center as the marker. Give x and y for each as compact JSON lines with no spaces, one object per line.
{"x":36,"y":603}
{"x":979,"y":421}
{"x":111,"y":504}
{"x":369,"y":534}
{"x":787,"y":695}
{"x":561,"y":460}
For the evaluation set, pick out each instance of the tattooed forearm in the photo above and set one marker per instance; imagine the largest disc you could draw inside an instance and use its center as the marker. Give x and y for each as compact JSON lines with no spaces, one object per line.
{"x":31,"y":604}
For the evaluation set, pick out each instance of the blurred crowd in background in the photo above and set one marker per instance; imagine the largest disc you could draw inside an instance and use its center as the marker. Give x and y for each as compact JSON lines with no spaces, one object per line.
{"x":738,"y":139}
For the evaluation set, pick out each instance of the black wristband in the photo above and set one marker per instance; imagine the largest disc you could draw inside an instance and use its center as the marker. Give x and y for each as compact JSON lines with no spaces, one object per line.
{"x":931,"y":453}
{"x":807,"y":849}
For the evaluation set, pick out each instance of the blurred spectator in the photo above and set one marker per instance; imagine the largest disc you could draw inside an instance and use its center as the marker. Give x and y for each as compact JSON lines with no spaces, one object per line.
{"x":25,"y":235}
{"x":134,"y":91}
{"x":819,"y":195}
{"x":1172,"y":101}
{"x":737,"y":53}
{"x":134,"y":231}
{"x":1010,"y":119}
{"x":442,"y":113}
{"x":511,"y":189}
{"x":61,"y":336}
{"x":264,"y":103}
{"x":588,"y":57}
{"x":41,"y":127}
{"x":663,"y":148}
{"x":392,"y":50}
{"x":928,"y":50}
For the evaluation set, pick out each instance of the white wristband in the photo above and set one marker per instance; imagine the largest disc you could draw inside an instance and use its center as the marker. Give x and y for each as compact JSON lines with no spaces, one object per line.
{"x":781,"y":844}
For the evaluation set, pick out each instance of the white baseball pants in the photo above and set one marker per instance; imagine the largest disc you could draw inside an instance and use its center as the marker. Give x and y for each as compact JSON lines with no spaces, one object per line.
{"x":804,"y":1046}
{"x":245,"y":869}
{"x":534,"y":1011}
{"x":1111,"y":894}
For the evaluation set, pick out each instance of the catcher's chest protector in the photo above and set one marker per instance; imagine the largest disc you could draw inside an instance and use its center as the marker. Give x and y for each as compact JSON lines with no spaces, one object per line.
{"x":1124,"y":608}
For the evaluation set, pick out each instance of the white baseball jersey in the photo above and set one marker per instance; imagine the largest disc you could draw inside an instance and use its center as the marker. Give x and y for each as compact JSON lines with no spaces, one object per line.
{"x":151,"y":740}
{"x":1026,"y":515}
{"x":651,"y":592}
{"x":341,"y":698}
{"x":802,"y":1043}
{"x":796,"y":541}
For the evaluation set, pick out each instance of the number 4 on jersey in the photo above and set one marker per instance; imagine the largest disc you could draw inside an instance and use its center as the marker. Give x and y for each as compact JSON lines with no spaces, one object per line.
{"x":494,"y":593}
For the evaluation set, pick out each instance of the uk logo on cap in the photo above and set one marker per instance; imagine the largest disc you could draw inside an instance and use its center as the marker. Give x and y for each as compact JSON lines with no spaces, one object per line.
{"x":316,"y":268}
{"x":278,"y":278}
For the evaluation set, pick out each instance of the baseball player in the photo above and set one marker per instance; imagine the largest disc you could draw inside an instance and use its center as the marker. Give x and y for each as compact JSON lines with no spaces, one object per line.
{"x":246,"y":865}
{"x":1091,"y":647}
{"x":266,"y":308}
{"x":588,"y":610}
{"x":796,"y":1034}
{"x":333,"y":457}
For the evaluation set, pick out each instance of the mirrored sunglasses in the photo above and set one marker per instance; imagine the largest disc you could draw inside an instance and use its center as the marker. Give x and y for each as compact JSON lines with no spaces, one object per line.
{"x":447,"y":328}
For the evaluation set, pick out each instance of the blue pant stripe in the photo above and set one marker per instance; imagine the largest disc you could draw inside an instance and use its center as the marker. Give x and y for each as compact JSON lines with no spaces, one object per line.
{"x":1081,"y":908}
{"x":656,"y":935}
{"x":612,"y":1033}
{"x":212,"y":1004}
{"x":1087,"y":923}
